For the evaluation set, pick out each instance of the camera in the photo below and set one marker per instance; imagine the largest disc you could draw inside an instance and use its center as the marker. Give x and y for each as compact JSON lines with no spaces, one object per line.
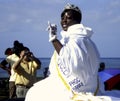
{"x":28,"y":53}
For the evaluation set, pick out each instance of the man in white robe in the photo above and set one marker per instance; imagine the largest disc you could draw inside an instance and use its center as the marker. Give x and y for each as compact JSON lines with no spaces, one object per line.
{"x":74,"y":64}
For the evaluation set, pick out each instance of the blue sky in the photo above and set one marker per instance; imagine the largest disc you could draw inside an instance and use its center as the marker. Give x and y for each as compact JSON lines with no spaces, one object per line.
{"x":26,"y":21}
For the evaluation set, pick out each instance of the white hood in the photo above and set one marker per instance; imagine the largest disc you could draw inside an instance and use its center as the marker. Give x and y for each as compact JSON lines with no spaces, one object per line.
{"x":77,"y":30}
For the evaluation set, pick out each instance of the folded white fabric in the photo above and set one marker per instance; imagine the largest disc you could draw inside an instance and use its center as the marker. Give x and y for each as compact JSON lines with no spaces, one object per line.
{"x":89,"y":97}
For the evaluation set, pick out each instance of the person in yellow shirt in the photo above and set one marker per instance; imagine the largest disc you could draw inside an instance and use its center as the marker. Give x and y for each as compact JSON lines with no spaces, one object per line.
{"x":6,"y":64}
{"x":25,"y":69}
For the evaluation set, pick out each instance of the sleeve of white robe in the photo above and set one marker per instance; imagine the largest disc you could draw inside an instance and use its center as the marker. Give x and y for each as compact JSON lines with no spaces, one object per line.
{"x":80,"y":56}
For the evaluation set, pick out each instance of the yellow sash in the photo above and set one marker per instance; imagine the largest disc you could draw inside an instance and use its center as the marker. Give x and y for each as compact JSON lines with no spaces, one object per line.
{"x":75,"y":97}
{"x":59,"y":74}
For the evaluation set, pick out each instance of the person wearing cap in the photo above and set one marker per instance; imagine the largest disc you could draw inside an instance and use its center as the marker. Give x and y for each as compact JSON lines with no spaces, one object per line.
{"x":74,"y":65}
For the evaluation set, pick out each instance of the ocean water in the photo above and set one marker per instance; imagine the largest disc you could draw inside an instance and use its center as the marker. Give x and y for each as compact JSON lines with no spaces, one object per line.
{"x":109,"y":63}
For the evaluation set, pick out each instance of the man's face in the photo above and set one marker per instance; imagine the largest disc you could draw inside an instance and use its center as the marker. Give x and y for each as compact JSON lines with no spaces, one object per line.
{"x":67,"y":20}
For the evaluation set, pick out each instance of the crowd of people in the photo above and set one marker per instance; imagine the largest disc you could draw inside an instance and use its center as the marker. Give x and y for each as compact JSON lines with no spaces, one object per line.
{"x":21,"y":65}
{"x":73,"y":69}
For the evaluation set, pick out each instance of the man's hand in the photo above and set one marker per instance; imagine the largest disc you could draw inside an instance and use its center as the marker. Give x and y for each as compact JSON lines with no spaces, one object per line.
{"x":52,"y":29}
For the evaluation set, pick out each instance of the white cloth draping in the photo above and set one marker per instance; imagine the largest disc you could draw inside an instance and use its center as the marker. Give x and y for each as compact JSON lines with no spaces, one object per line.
{"x":78,"y":57}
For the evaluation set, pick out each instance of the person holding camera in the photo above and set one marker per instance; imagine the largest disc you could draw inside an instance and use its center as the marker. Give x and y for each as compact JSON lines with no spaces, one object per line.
{"x":25,"y":69}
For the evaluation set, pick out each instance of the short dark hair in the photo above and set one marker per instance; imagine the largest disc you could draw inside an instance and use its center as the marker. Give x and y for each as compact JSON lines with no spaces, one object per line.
{"x":18,"y":47}
{"x":8,"y":51}
{"x":76,"y":15}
